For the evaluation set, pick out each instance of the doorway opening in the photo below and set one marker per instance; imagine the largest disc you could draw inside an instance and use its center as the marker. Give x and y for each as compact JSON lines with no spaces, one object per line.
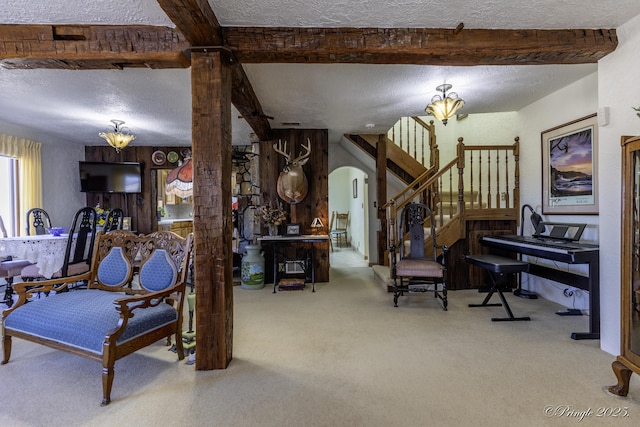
{"x":348,"y":194}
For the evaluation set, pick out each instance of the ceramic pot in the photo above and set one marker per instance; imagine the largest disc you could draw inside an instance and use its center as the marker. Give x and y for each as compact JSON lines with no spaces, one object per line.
{"x":252,"y":268}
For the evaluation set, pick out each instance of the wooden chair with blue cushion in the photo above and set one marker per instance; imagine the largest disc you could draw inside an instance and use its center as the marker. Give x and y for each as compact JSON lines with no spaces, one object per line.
{"x":414,"y":269}
{"x":108,"y":320}
{"x":339,"y":232}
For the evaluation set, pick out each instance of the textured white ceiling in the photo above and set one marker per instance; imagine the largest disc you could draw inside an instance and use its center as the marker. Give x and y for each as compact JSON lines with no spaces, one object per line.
{"x":50,"y":105}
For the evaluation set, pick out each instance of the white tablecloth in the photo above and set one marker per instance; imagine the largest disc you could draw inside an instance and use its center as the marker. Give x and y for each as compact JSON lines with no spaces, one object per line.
{"x":46,"y":251}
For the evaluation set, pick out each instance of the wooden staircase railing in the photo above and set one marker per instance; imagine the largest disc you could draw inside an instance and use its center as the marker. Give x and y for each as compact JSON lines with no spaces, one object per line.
{"x":480,"y":183}
{"x":489,"y":172}
{"x":417,"y":138}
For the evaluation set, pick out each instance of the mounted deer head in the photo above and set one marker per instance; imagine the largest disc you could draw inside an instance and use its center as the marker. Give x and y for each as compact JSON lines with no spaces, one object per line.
{"x":292,"y":183}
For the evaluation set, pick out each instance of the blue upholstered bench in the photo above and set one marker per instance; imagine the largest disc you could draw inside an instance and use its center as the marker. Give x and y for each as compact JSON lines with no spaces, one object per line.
{"x":109,"y":320}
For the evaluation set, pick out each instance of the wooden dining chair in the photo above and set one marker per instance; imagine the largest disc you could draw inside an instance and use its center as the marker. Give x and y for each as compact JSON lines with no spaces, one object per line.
{"x":423,"y":267}
{"x":340,"y":230}
{"x":333,"y":215}
{"x":38,"y":222}
{"x":114,"y":220}
{"x":79,"y":249}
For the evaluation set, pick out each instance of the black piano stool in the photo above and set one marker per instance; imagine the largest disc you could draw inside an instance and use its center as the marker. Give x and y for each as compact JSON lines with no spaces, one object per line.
{"x":499,"y":269}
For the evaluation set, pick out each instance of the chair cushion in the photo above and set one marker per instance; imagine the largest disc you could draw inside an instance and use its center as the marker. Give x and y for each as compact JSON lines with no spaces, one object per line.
{"x":75,"y":269}
{"x":31,"y":272}
{"x":13,"y":267}
{"x":158,"y":272}
{"x":418,"y":268}
{"x":82,"y":318}
{"x":114,"y":269}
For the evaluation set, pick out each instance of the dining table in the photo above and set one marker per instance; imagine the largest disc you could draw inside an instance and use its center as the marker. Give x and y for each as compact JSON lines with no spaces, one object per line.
{"x":44,"y":250}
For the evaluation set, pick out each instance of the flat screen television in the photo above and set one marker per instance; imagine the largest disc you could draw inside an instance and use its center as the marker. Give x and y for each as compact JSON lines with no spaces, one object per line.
{"x":103,"y":177}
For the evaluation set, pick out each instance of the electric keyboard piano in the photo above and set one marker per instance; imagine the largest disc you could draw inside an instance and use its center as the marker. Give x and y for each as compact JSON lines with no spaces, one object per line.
{"x":561,"y":251}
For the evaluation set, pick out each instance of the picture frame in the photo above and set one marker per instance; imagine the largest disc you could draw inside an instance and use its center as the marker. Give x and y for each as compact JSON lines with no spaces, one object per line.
{"x":570,"y":168}
{"x":293,"y":229}
{"x":355,"y":188}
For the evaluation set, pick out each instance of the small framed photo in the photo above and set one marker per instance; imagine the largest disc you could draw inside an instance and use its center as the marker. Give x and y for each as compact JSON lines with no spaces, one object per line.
{"x":293,"y":229}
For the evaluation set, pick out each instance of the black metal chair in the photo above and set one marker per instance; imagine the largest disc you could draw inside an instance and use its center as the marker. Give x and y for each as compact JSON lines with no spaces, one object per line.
{"x":9,"y":268}
{"x":38,"y":221}
{"x":114,"y":220}
{"x":417,"y":270}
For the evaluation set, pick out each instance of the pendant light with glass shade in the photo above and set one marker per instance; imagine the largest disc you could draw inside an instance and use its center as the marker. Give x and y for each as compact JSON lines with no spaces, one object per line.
{"x":118,"y":136}
{"x":444,"y":107}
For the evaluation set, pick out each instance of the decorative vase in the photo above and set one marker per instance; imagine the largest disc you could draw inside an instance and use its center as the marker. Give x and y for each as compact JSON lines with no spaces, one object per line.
{"x":252,"y":268}
{"x":273,"y":230}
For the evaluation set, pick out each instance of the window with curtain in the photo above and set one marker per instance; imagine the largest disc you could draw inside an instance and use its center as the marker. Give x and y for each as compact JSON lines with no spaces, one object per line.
{"x":8,"y":194}
{"x":25,"y":174}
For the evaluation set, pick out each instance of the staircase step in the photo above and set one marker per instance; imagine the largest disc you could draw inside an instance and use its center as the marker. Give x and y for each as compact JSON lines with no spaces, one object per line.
{"x":383,"y":274}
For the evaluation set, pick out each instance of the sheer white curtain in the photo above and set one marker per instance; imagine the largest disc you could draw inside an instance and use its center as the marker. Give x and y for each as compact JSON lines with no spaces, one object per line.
{"x":29,"y":170}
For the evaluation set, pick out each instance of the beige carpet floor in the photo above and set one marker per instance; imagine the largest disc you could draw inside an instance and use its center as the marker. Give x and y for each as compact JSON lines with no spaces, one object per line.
{"x":342,"y":356}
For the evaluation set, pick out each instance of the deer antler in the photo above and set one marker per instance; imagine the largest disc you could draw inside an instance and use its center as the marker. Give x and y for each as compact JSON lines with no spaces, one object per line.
{"x":307,"y":149}
{"x":281,"y":150}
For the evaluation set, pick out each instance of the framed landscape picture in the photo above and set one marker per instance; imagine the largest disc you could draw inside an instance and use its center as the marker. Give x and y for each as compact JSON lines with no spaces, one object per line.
{"x":293,"y":229}
{"x":570,"y":168}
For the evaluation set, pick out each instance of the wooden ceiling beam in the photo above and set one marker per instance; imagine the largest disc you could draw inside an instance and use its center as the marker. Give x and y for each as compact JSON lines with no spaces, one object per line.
{"x":421,"y":46}
{"x":91,"y":47}
{"x":197,"y":21}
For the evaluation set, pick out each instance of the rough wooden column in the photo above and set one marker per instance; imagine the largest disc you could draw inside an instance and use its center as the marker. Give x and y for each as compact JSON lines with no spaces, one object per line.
{"x":212,"y":216}
{"x":381,"y":180}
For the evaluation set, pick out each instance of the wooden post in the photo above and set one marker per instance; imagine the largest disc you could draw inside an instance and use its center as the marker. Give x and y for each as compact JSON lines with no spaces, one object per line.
{"x":381,"y":178}
{"x":212,"y":215}
{"x":461,"y":164}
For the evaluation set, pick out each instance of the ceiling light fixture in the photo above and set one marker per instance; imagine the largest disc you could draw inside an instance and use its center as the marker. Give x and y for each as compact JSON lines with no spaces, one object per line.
{"x":118,"y":136}
{"x":444,"y":107}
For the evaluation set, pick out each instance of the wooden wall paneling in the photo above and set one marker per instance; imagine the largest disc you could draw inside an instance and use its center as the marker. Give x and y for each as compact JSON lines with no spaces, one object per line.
{"x":212,"y":215}
{"x":317,"y":201}
{"x":478,"y":277}
{"x":141,"y":207}
{"x":457,"y":267}
{"x":316,"y":204}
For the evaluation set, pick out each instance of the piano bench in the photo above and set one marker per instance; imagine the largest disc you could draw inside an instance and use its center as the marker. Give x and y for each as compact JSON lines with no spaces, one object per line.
{"x":499,"y":269}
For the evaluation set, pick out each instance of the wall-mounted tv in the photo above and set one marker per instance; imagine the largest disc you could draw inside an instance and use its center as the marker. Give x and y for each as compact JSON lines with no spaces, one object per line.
{"x":105,"y":177}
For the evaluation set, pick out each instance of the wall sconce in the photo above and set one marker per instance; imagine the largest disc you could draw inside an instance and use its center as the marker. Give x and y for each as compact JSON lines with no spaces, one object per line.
{"x":119,"y":136}
{"x":316,"y":225}
{"x":444,"y":107}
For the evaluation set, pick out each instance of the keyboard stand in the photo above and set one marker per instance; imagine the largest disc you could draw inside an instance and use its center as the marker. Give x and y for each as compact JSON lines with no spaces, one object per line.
{"x":499,"y":269}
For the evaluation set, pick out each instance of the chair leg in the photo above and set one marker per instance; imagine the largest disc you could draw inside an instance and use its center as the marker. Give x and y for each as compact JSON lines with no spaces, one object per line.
{"x":396,"y":291}
{"x":107,"y":382}
{"x":498,"y":280}
{"x":8,"y":292}
{"x":6,"y":349}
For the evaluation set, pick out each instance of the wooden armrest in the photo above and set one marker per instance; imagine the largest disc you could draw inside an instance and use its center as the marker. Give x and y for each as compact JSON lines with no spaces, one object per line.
{"x":125,"y":306}
{"x":25,"y":290}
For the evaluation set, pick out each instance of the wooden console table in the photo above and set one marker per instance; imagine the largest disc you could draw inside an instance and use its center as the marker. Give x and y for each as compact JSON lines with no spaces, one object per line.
{"x":277,"y":242}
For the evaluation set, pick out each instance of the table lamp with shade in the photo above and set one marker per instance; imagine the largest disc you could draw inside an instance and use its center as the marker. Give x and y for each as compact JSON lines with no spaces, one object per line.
{"x":316,"y":225}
